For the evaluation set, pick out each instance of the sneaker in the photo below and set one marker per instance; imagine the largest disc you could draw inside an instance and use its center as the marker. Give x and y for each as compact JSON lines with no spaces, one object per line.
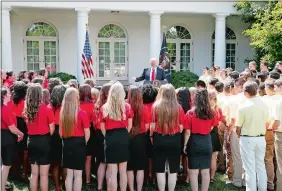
{"x":231,"y":185}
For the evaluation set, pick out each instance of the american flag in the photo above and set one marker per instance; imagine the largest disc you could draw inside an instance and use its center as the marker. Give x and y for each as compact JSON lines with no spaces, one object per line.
{"x":86,"y":60}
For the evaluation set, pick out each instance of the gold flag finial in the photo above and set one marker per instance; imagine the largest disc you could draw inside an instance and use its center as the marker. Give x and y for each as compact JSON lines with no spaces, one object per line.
{"x":86,"y":25}
{"x":164,"y":28}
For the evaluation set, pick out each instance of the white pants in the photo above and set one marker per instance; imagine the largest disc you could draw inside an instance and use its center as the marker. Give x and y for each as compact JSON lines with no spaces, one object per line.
{"x":253,"y":153}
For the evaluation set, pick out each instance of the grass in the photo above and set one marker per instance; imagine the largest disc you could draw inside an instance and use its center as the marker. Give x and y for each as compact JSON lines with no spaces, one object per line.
{"x":218,"y":185}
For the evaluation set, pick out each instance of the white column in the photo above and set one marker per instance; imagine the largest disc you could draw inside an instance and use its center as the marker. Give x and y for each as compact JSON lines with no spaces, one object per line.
{"x":7,"y":63}
{"x":155,"y":34}
{"x":82,"y":21}
{"x":220,"y":45}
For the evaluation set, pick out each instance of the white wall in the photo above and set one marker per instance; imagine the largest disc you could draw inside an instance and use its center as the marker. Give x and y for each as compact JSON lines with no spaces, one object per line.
{"x":137,"y":26}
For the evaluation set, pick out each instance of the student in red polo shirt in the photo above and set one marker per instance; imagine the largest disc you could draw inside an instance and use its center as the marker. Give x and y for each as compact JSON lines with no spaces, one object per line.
{"x":9,"y":135}
{"x":116,"y":121}
{"x":166,"y":127}
{"x":44,"y":74}
{"x":184,"y":99}
{"x":149,"y":94}
{"x":199,"y":121}
{"x":74,"y":130}
{"x":10,"y":79}
{"x":138,"y":160}
{"x":56,"y":141}
{"x":87,"y":105}
{"x":17,"y":105}
{"x":40,"y":124}
{"x":99,"y":139}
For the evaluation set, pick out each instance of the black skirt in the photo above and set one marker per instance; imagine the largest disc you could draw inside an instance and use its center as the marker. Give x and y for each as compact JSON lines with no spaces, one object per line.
{"x":149,"y":145}
{"x":99,"y":146}
{"x":116,"y":146}
{"x":23,"y":128}
{"x":199,"y":151}
{"x":39,"y":148}
{"x":138,"y":159}
{"x":8,"y":147}
{"x":74,"y":153}
{"x":56,"y":145}
{"x":166,"y":148}
{"x":91,"y":142}
{"x":216,"y":144}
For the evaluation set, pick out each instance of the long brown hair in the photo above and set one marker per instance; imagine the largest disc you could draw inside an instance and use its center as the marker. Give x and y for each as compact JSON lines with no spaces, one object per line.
{"x":202,"y":105}
{"x":136,"y":103}
{"x":68,"y":113}
{"x":85,"y":93}
{"x":33,"y":101}
{"x":166,"y":108}
{"x":103,"y":96}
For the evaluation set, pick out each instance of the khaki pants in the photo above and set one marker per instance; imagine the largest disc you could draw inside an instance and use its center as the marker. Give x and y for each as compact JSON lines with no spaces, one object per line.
{"x":278,"y":153}
{"x":220,"y":156}
{"x":237,"y":161}
{"x":229,"y":162}
{"x":269,"y":155}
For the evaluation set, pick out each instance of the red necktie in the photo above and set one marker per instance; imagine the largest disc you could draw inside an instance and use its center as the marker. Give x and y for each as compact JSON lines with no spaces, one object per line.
{"x":153,"y":74}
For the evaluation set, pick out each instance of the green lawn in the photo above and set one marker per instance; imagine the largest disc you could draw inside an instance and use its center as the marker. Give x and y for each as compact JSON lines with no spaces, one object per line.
{"x":218,"y":185}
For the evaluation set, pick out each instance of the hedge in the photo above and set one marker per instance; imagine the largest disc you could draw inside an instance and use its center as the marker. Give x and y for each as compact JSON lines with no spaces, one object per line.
{"x":63,"y":76}
{"x":183,"y":79}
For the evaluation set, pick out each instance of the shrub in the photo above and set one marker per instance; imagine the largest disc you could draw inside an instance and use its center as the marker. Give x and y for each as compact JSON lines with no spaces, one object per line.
{"x":63,"y":76}
{"x":183,"y":79}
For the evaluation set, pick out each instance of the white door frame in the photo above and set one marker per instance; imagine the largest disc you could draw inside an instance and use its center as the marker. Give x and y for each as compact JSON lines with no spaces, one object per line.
{"x":41,"y":50}
{"x":177,"y":61}
{"x":236,"y":50}
{"x":112,"y":41}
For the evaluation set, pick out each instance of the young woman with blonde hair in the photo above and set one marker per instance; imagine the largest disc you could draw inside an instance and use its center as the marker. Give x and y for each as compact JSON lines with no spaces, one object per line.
{"x":74,"y":130}
{"x":99,"y":139}
{"x":116,"y":121}
{"x":40,"y":124}
{"x":138,"y":160}
{"x":166,"y":127}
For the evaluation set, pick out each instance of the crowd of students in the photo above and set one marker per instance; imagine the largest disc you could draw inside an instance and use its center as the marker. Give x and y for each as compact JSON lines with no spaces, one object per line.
{"x":228,"y":121}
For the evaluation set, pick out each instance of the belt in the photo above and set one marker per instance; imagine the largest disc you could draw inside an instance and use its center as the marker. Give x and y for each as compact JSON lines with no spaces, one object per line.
{"x":252,"y":136}
{"x":269,"y":129}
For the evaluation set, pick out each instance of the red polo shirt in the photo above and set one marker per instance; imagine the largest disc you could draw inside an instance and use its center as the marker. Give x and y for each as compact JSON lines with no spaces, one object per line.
{"x":18,"y":108}
{"x":88,"y":107}
{"x":8,"y":83}
{"x":170,"y":130}
{"x":197,"y":125}
{"x":149,"y":107}
{"x":45,"y":84}
{"x":8,"y":118}
{"x":117,"y":124}
{"x":40,"y":126}
{"x":82,"y":123}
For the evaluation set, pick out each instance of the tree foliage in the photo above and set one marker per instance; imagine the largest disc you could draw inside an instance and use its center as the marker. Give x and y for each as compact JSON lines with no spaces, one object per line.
{"x":265,"y":28}
{"x":183,"y":79}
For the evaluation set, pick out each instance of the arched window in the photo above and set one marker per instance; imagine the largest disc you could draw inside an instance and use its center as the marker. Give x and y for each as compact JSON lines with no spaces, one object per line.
{"x":179,"y":43}
{"x":231,"y":45}
{"x":41,"y":47}
{"x":112,"y":53}
{"x":41,"y":29}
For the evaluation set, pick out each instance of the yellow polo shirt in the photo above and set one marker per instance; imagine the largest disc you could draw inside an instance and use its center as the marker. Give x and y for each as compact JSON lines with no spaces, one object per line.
{"x":231,"y":106}
{"x":252,"y":116}
{"x":272,"y":103}
{"x":278,"y":115}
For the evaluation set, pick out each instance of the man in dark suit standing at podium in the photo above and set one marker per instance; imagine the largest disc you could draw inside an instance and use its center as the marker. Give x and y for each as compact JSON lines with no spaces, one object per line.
{"x":154,"y":73}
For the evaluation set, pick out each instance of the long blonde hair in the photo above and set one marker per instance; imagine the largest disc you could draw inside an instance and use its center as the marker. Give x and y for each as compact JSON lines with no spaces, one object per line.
{"x":166,"y":108}
{"x":69,"y":110}
{"x":33,"y":101}
{"x":114,"y":108}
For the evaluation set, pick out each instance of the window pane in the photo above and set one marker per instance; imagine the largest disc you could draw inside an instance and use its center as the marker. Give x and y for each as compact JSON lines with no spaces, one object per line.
{"x":29,"y":51}
{"x":53,"y":51}
{"x":53,"y":44}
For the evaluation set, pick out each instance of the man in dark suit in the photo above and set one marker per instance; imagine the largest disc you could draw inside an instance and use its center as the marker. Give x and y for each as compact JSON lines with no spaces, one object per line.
{"x":154,"y":73}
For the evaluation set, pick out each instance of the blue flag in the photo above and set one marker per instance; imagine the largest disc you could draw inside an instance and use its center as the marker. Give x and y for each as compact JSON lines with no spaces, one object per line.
{"x":164,"y":59}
